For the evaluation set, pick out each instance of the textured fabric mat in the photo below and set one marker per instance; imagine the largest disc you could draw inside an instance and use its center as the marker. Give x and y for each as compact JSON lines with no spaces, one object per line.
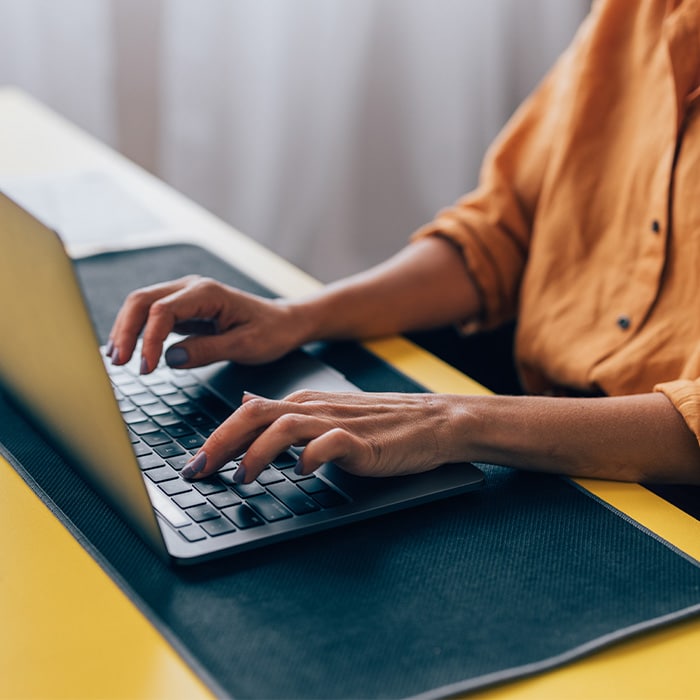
{"x":523,"y":575}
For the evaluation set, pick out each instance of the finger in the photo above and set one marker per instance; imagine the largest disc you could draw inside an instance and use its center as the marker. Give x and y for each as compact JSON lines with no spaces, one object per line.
{"x":348,"y":399}
{"x":232,"y":437}
{"x":262,"y":428}
{"x":198,"y":351}
{"x":192,"y":306}
{"x":132,"y":317}
{"x":289,"y":430}
{"x":339,"y":446}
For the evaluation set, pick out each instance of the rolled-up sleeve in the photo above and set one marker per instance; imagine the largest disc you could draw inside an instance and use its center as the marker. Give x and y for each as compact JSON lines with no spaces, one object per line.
{"x":684,"y":394}
{"x":492,"y":226}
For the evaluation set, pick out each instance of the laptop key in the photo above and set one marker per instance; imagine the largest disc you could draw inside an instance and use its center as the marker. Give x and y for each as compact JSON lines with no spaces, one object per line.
{"x":186,"y":407}
{"x":159,"y":474}
{"x":243,"y":517}
{"x":192,"y":533}
{"x":224,"y":499}
{"x":269,"y":476}
{"x":132,"y":417}
{"x":156,"y":409}
{"x":178,"y":430}
{"x":130,"y":388}
{"x":151,"y":379}
{"x":297,"y":501}
{"x":157,"y":438}
{"x":215,"y":407}
{"x":284,"y":460}
{"x":176,"y":400}
{"x":166,"y":507}
{"x":207,"y":487}
{"x":143,"y":399}
{"x":125,"y":405}
{"x":141,"y":450}
{"x":203,"y":512}
{"x":144,"y":426}
{"x":150,"y":462}
{"x":166,"y":418}
{"x":269,"y":508}
{"x":179,"y":462}
{"x":243,"y":490}
{"x":329,"y":498}
{"x":314,"y":485}
{"x":190,"y":499}
{"x":191,"y":442}
{"x":293,"y":476}
{"x":163,"y":389}
{"x":199,"y":420}
{"x":170,"y":449}
{"x":118,"y":376}
{"x":182,"y":380}
{"x":220,"y":526}
{"x":174,"y":487}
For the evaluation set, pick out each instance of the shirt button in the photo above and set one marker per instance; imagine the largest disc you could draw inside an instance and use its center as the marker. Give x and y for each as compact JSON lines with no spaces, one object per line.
{"x":624,"y":322}
{"x":655,"y":226}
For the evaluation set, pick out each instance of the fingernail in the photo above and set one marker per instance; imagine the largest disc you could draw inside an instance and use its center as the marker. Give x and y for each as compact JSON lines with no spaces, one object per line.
{"x":194,"y":466}
{"x":115,"y":356}
{"x":299,"y":467}
{"x":239,"y":474}
{"x":176,"y":357}
{"x":144,"y":366}
{"x":250,"y":395}
{"x":109,"y":348}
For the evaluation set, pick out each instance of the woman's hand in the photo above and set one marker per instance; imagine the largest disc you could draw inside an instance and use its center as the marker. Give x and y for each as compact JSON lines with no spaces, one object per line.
{"x":364,"y":434}
{"x":423,"y":286}
{"x":640,"y":437}
{"x":223,"y":324}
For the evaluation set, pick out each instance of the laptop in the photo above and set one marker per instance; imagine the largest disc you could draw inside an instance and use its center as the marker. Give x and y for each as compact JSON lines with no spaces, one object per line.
{"x":130,"y":436}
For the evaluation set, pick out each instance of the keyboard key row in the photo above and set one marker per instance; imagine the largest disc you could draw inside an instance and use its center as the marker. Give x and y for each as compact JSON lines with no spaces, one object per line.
{"x":169,"y":417}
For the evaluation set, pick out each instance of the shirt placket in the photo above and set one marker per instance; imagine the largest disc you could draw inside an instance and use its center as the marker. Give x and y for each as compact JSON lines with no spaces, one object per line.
{"x":683,"y":42}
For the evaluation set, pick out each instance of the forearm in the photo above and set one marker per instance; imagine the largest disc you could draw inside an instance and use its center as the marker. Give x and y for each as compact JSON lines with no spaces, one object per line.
{"x":426,"y":285}
{"x":639,"y":438}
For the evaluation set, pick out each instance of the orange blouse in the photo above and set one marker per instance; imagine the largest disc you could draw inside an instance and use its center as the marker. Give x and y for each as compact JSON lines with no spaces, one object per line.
{"x":586,"y":222}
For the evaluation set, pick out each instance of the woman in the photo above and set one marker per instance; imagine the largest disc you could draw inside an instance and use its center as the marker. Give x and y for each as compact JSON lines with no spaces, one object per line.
{"x":585,"y":227}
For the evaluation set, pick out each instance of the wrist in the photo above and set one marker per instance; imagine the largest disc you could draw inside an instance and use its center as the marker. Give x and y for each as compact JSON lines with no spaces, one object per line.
{"x":457,"y":427}
{"x":303,"y":320}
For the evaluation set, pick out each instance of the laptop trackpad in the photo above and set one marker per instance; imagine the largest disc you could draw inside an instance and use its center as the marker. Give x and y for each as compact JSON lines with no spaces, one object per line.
{"x":275,"y":380}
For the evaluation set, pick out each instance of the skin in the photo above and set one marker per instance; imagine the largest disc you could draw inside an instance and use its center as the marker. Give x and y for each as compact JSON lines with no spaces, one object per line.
{"x":633,"y":438}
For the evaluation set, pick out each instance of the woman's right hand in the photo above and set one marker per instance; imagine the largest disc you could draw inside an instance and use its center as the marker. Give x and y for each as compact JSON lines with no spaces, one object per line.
{"x":222,"y":323}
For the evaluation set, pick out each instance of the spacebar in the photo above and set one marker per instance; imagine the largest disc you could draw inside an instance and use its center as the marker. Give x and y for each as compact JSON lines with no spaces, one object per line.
{"x":166,"y":507}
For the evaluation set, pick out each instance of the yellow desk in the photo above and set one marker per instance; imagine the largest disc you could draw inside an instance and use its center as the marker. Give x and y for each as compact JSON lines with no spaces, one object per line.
{"x":67,"y":630}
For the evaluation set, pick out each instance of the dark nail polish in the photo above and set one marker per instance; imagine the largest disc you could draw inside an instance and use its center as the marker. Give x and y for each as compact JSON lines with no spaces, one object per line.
{"x":195,"y":466}
{"x":115,"y":356}
{"x":299,"y":467}
{"x":176,"y":357}
{"x":109,"y":348}
{"x":239,"y":475}
{"x":144,"y":366}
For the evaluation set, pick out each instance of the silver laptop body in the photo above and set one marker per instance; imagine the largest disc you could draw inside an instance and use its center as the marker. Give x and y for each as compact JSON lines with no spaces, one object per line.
{"x":53,"y":368}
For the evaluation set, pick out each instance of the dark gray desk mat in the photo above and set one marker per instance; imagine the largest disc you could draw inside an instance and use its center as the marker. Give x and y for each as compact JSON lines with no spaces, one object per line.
{"x":524,"y":575}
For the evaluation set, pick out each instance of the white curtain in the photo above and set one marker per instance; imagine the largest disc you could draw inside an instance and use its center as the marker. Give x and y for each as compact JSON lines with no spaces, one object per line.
{"x":327,"y":129}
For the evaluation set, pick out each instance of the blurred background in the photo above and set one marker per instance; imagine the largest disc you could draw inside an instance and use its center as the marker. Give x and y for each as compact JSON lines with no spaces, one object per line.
{"x":326,"y":129}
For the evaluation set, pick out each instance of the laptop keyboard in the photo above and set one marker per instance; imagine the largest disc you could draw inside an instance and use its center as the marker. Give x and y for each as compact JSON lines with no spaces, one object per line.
{"x":169,"y":414}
